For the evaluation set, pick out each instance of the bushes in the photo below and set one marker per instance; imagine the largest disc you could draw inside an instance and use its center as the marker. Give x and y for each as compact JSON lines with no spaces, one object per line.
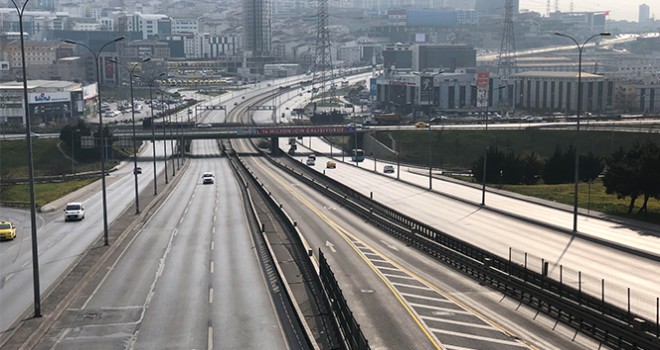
{"x":509,"y":168}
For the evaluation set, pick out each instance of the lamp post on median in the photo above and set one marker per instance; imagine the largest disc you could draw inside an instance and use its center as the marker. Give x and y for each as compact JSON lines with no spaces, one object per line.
{"x":485,"y":102}
{"x":153,"y":130}
{"x":96,"y":55}
{"x":28,"y":140}
{"x":135,"y":167}
{"x":577,"y":124}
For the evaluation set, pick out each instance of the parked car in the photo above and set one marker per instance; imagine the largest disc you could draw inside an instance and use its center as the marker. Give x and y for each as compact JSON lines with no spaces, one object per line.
{"x":74,"y":211}
{"x":208,"y":178}
{"x":7,"y":230}
{"x":388,"y":169}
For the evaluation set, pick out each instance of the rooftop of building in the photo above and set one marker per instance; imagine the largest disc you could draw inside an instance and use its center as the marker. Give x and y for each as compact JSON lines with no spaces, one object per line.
{"x":555,"y":75}
{"x":33,"y":84}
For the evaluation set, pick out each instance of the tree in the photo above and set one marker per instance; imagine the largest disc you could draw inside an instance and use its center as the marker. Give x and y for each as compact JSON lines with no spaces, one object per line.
{"x":531,"y":169}
{"x":590,"y":167}
{"x":558,"y":168}
{"x":622,"y":168}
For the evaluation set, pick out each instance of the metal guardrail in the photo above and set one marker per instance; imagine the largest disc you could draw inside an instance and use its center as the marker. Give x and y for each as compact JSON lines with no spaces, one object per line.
{"x":594,"y":316}
{"x":349,"y":327}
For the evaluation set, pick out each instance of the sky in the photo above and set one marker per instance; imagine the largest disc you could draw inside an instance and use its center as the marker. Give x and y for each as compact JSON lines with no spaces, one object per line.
{"x":619,"y":9}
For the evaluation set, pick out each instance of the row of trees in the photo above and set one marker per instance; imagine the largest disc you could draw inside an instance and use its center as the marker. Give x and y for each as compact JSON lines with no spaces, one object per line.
{"x":511,"y":168}
{"x":633,"y":173}
{"x":71,"y":136}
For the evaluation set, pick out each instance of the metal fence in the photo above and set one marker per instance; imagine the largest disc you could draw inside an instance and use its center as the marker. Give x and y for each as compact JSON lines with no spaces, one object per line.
{"x":350,"y":329}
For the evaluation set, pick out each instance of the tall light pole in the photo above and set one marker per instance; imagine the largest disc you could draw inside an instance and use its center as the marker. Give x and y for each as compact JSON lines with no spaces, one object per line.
{"x":153,"y":129}
{"x":96,"y":55}
{"x":131,"y":72}
{"x":28,"y":140}
{"x":577,"y":124}
{"x":169,"y":118}
{"x":430,"y":167}
{"x":486,"y":103}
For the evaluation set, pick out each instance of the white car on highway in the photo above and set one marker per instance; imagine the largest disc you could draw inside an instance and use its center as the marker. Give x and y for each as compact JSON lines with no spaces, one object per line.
{"x":74,"y":211}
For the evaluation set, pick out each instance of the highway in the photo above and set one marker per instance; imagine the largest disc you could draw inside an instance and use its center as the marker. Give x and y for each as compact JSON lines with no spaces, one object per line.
{"x":428,"y":305}
{"x":62,"y":243}
{"x":190,"y":277}
{"x":539,"y":230}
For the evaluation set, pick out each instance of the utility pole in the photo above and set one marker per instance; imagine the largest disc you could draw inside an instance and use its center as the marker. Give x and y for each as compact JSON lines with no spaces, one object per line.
{"x":507,"y":63}
{"x":323,"y":73}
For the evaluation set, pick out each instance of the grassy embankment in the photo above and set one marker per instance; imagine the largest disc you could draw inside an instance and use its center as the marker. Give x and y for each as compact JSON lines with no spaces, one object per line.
{"x":48,"y":160}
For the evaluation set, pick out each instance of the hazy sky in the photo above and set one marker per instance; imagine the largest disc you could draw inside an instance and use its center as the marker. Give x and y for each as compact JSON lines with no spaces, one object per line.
{"x":619,"y":9}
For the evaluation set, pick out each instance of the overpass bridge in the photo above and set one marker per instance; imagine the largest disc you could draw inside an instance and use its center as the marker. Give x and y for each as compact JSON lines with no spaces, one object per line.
{"x":185,"y":132}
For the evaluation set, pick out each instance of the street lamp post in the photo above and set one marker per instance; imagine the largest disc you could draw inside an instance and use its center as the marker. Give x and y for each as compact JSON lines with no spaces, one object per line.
{"x":486,"y":103}
{"x":96,"y":55}
{"x":135,"y":167}
{"x":430,"y":167}
{"x":169,"y":118}
{"x":153,"y":130}
{"x":577,"y":124}
{"x":28,"y":140}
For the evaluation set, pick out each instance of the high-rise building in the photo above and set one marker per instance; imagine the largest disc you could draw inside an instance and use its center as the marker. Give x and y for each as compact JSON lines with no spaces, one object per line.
{"x":644,"y":13}
{"x":257,"y":27}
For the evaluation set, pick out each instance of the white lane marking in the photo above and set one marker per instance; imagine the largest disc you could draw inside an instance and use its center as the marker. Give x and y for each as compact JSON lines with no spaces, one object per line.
{"x":468,"y":324}
{"x":332,"y":246}
{"x":9,"y":276}
{"x":410,"y":286}
{"x":389,"y":245}
{"x":209,"y":340}
{"x":451,"y":347}
{"x":212,"y":265}
{"x":390,"y":268}
{"x":213,"y":230}
{"x":397,"y":276}
{"x":478,"y":337}
{"x":176,"y":231}
{"x":423,"y":306}
{"x":213,"y":243}
{"x":210,"y":295}
{"x":382,"y":261}
{"x":214,"y":217}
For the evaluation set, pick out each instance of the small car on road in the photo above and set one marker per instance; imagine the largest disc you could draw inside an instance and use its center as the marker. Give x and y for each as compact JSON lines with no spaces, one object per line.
{"x":330,"y":164}
{"x":74,"y":211}
{"x":7,"y":230}
{"x":388,"y":169}
{"x":208,"y":178}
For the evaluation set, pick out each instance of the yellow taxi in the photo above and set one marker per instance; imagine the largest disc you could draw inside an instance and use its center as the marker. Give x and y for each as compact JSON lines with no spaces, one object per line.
{"x":330,"y":164}
{"x":7,"y":230}
{"x":422,"y":125}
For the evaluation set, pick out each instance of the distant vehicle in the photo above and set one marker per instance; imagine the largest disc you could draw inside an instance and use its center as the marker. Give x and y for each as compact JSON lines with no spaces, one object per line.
{"x":204,"y":125}
{"x":388,"y":119}
{"x":388,"y":169}
{"x":357,"y":155}
{"x":292,"y":140}
{"x":311,"y":156}
{"x":137,"y":170}
{"x":422,"y":125}
{"x":310,"y":161}
{"x":74,"y":211}
{"x":292,"y":150}
{"x":34,"y":135}
{"x":438,"y":120}
{"x":7,"y":230}
{"x":208,"y":178}
{"x":330,"y":164}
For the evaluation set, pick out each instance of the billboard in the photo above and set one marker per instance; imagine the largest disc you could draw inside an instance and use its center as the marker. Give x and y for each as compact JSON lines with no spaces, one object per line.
{"x":426,"y":89}
{"x":483,"y":81}
{"x":49,"y":97}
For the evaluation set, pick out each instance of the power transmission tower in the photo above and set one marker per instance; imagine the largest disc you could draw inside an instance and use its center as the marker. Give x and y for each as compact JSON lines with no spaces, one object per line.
{"x":323,"y":71}
{"x":506,"y":65}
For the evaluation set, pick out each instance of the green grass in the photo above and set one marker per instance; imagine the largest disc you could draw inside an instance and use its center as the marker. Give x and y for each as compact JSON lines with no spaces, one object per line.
{"x":48,"y":160}
{"x":44,"y":192}
{"x":593,"y":198}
